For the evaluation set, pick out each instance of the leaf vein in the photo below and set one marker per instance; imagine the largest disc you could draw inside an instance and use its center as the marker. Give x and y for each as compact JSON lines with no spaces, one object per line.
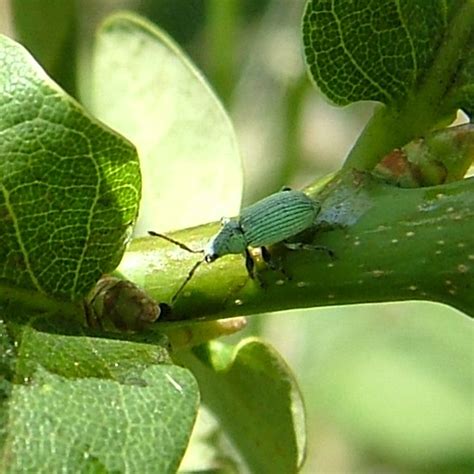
{"x":353,"y":60}
{"x":29,"y":268}
{"x":88,"y":226}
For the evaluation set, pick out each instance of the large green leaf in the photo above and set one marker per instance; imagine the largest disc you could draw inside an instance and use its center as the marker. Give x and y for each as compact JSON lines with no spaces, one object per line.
{"x":413,"y":56}
{"x":69,"y":187}
{"x":82,"y":404}
{"x":252,"y":392}
{"x":146,"y":88}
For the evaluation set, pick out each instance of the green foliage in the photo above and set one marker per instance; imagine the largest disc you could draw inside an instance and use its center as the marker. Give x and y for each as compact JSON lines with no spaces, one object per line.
{"x":163,"y":106}
{"x":69,"y":188}
{"x":99,"y":405}
{"x":258,"y":403}
{"x":374,"y":50}
{"x":82,"y":400}
{"x":417,"y":62}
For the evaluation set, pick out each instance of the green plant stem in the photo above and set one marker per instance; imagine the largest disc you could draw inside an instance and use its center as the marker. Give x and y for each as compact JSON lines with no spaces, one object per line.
{"x":395,"y":125}
{"x":391,"y":244}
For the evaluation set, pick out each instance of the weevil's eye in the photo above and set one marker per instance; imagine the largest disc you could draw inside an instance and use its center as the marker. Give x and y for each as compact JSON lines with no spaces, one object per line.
{"x":210,"y":257}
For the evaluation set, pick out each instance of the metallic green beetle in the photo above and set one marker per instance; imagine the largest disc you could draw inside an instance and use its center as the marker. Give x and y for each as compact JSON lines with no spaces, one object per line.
{"x":274,"y":219}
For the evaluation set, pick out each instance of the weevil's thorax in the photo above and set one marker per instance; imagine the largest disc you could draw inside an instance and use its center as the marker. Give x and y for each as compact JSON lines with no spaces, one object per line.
{"x":230,"y":239}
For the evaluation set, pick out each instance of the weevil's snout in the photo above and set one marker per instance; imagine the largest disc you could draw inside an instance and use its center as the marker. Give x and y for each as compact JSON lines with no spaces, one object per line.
{"x":229,"y":239}
{"x":210,"y":257}
{"x":210,"y":253}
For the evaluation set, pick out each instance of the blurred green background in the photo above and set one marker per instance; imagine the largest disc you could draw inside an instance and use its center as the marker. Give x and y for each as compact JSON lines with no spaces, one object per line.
{"x":388,"y":388}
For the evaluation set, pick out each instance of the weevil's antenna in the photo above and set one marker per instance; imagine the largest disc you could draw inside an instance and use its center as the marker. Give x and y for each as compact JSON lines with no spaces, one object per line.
{"x":184,"y":247}
{"x":176,"y":242}
{"x":185,"y":282}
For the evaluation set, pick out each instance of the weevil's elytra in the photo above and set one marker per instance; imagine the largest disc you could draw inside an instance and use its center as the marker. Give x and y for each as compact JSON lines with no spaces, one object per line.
{"x":271,"y":220}
{"x":278,"y":217}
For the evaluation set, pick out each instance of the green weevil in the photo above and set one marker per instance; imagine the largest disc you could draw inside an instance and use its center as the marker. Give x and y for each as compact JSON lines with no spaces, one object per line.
{"x":273,"y":219}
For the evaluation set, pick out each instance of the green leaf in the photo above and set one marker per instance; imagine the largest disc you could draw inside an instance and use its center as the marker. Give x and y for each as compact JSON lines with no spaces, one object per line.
{"x":146,"y":88}
{"x":80,"y":356}
{"x":252,"y":392}
{"x":82,"y":404}
{"x":7,"y":367}
{"x":413,"y":56}
{"x":53,"y":45}
{"x":69,"y":187}
{"x":373,"y":50}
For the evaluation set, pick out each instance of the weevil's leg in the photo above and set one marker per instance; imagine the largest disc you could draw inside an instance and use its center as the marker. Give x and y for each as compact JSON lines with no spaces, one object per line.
{"x":185,"y":282}
{"x":267,"y":258}
{"x":270,"y":261}
{"x":249,"y":264}
{"x":173,"y":241}
{"x":301,"y":246}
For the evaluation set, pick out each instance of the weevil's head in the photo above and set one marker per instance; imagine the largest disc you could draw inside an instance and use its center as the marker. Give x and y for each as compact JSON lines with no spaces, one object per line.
{"x":230,"y":239}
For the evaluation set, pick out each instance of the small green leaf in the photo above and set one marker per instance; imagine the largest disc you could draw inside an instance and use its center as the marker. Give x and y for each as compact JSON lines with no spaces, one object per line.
{"x":252,"y":392}
{"x":97,"y":405}
{"x":69,"y":187}
{"x":373,"y":50}
{"x":146,"y":88}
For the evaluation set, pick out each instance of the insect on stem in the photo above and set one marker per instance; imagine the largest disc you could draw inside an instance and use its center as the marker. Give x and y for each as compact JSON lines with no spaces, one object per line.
{"x":272,"y":220}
